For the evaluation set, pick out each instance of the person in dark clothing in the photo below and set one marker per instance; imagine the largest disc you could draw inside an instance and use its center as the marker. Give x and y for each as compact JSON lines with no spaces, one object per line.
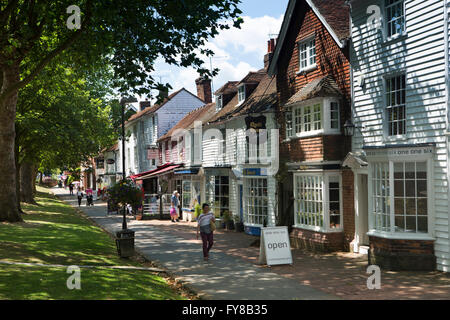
{"x":71,"y":189}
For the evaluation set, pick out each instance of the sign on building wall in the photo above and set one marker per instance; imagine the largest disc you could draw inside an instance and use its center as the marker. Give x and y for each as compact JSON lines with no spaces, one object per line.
{"x":392,"y":152}
{"x":257,"y":123}
{"x":275,"y":247}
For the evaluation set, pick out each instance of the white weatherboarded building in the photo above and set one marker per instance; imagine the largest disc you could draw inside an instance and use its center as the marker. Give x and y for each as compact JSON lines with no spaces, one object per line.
{"x":400,"y":157}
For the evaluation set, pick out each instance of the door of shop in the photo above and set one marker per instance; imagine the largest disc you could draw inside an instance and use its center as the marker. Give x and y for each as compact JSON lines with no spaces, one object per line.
{"x":362,"y":213}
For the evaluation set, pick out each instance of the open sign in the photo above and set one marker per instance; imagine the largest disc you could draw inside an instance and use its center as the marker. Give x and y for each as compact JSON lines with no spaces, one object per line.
{"x":275,"y":246}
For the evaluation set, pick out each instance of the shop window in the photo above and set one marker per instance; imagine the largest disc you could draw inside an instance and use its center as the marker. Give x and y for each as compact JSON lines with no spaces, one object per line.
{"x":318,"y":201}
{"x":221,"y":202}
{"x":309,"y":200}
{"x":190,"y":193}
{"x":409,"y":197}
{"x":256,"y":201}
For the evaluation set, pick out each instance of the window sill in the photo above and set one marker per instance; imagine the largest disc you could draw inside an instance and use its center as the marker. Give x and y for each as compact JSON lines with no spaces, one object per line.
{"x":400,"y":236}
{"x":318,"y":229}
{"x":399,"y":138}
{"x":393,"y":39}
{"x":307,"y":69}
{"x":318,"y":133}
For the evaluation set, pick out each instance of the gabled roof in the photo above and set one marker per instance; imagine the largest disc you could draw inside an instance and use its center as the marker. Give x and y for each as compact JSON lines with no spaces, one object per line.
{"x":203,"y":114}
{"x":261,"y":99}
{"x":320,"y":87}
{"x":253,"y":77}
{"x":227,"y":88}
{"x":156,"y":107}
{"x":334,"y":15}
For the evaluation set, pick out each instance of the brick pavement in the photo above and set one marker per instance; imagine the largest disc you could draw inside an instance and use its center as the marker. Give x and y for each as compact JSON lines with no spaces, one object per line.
{"x":341,"y":274}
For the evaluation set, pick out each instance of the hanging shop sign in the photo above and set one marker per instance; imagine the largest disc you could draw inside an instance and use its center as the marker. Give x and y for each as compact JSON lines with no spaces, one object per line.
{"x":257,"y":123}
{"x":275,"y":248}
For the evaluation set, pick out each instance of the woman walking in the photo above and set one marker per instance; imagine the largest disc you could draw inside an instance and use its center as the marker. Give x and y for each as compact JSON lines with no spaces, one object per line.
{"x":204,"y":226}
{"x":79,"y":196}
{"x":175,"y":201}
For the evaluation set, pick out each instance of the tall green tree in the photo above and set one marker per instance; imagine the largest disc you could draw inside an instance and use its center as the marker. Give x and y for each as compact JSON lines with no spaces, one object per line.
{"x":131,"y":34}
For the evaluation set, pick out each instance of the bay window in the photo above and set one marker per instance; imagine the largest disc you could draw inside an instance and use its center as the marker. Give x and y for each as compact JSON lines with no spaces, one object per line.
{"x":318,"y":204}
{"x":400,"y":196}
{"x":319,"y":116}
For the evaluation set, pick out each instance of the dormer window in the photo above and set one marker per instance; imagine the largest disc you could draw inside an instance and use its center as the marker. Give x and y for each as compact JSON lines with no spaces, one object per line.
{"x":219,"y":102}
{"x":241,"y":94}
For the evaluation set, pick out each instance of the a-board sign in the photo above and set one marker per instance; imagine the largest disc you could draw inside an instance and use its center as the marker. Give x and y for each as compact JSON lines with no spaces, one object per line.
{"x":275,"y":247}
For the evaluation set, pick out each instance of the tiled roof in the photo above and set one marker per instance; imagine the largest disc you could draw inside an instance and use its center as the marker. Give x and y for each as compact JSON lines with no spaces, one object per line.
{"x":336,"y":13}
{"x":201,"y":114}
{"x":253,"y":77}
{"x":227,"y":88}
{"x":320,"y":87}
{"x":261,"y":99}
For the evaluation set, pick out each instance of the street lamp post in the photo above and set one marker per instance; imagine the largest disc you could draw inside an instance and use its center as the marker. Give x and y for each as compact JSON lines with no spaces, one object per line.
{"x":125,"y":237}
{"x":123,"y":102}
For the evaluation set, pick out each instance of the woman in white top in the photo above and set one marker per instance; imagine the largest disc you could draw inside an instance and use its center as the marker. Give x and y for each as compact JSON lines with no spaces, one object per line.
{"x":79,"y":196}
{"x":204,"y":226}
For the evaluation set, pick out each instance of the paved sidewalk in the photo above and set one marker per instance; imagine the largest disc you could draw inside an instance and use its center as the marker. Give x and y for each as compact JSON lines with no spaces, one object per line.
{"x":224,"y":277}
{"x":340,"y":274}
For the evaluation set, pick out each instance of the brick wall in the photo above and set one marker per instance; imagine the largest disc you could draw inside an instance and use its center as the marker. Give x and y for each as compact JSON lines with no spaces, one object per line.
{"x":316,"y":241}
{"x":331,"y":60}
{"x":399,"y":254}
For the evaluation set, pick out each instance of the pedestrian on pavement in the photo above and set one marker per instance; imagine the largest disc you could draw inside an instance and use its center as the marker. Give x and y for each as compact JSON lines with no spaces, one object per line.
{"x":71,"y":189}
{"x":80,"y":196}
{"x":206,"y":232}
{"x":175,"y":201}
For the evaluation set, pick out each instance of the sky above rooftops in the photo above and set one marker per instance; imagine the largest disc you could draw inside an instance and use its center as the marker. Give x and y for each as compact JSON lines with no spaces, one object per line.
{"x":237,"y":51}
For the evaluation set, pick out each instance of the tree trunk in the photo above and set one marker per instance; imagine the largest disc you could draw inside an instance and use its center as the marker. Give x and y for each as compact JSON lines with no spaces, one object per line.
{"x":35,"y":173}
{"x":26,"y":182}
{"x":9,"y":210}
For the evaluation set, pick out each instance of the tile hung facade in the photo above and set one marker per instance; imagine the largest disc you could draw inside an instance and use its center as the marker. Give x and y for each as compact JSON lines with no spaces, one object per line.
{"x":312,"y":65}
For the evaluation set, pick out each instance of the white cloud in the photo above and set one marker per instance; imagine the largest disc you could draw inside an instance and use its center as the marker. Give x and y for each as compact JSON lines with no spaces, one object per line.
{"x":237,"y":52}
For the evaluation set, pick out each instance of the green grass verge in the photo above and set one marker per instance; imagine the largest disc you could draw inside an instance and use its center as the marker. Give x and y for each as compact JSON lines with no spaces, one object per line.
{"x":54,"y":233}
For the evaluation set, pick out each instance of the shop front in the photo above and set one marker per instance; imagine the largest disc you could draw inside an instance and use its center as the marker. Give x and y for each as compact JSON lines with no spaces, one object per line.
{"x":190,"y":183}
{"x":258,"y":200}
{"x":401,"y":205}
{"x":217,"y":190}
{"x":318,"y":208}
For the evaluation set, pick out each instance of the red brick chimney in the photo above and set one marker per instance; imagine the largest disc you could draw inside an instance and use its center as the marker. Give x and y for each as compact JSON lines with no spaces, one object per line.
{"x":204,"y":89}
{"x":270,"y":50}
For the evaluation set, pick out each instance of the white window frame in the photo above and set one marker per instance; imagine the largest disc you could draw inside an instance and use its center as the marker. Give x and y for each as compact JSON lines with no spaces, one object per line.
{"x":387,"y":106}
{"x":326,"y":129}
{"x":241,"y":93}
{"x":308,"y":54}
{"x":219,"y":102}
{"x":325,"y":176}
{"x":386,"y":23}
{"x":428,"y":158}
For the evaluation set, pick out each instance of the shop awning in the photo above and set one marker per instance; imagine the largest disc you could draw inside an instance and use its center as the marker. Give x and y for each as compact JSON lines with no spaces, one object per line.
{"x":160,"y":171}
